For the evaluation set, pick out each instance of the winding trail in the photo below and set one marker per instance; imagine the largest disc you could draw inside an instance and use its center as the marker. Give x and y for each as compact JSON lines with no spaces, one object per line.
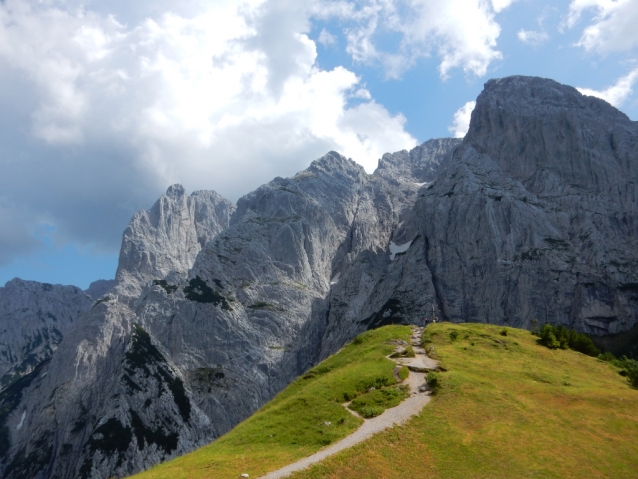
{"x":419,"y":397}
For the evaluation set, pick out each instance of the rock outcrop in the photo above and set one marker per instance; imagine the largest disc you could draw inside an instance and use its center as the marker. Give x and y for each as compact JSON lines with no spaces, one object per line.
{"x":215,"y":308}
{"x":534,"y":216}
{"x":99,"y":288}
{"x":34,"y":317}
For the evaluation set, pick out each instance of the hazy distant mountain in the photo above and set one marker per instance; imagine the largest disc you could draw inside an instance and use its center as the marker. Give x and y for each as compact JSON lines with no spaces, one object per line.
{"x":215,"y":308}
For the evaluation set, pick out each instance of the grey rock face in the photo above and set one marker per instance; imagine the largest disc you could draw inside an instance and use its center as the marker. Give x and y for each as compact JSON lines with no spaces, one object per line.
{"x":169,"y":236}
{"x":111,"y":400}
{"x":534,"y":216}
{"x":537,"y":215}
{"x":99,"y":288}
{"x":34,"y":317}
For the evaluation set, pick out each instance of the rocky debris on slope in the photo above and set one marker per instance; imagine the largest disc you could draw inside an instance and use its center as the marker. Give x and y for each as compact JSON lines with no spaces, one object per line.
{"x":34,"y":317}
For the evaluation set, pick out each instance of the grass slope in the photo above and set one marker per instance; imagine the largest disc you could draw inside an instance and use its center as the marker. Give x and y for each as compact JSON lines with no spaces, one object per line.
{"x":293,"y":424}
{"x":507,"y":408}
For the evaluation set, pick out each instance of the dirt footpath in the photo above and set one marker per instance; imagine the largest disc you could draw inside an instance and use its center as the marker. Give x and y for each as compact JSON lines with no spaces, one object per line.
{"x":396,"y":415}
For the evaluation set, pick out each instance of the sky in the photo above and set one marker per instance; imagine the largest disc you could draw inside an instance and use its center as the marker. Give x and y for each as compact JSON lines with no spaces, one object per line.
{"x":106,"y":104}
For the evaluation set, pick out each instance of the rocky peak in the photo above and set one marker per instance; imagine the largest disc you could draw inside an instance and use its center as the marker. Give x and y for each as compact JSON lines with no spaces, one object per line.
{"x":538,"y":130}
{"x":333,"y":162}
{"x":169,"y":236}
{"x":422,"y":164}
{"x":536,"y":215}
{"x":175,"y":191}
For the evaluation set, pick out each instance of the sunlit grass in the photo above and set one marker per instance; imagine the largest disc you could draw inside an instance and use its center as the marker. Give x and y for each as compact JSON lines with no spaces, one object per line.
{"x":507,"y":408}
{"x":302,"y":419}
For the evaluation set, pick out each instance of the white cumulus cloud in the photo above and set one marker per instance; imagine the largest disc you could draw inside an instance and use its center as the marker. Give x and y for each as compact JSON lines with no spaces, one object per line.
{"x":617,"y":93}
{"x":532,"y":37}
{"x":462,"y":33}
{"x":614,"y":26}
{"x":104,"y":109}
{"x":461,"y":122}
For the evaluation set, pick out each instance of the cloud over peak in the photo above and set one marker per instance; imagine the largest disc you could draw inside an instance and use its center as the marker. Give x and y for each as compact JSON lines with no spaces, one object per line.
{"x":110,"y":108}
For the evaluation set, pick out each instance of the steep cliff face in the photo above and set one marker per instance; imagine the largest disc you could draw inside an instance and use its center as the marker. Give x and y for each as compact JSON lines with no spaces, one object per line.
{"x":535,"y":215}
{"x":216,"y":308}
{"x":34,"y":317}
{"x":538,"y":214}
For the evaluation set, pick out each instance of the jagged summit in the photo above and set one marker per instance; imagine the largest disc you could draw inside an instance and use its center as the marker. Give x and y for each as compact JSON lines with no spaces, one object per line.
{"x":420,"y":165}
{"x":333,"y":162}
{"x":169,"y":236}
{"x":175,"y":190}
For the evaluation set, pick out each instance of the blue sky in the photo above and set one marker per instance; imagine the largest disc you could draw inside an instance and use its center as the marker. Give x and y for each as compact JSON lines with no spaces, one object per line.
{"x":106,"y":104}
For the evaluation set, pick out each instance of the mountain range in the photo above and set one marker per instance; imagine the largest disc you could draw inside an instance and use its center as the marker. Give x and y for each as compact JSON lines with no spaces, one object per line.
{"x":216,"y":307}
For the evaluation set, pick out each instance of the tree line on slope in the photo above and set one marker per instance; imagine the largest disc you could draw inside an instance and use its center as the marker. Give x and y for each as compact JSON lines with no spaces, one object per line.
{"x":560,"y":337}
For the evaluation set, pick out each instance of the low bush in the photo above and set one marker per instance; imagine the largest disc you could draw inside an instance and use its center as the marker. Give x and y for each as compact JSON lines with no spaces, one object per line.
{"x":555,"y":337}
{"x":631,"y":366}
{"x":453,"y":335}
{"x":374,"y":402}
{"x":371,"y":411}
{"x":432,"y":379}
{"x":628,"y":367}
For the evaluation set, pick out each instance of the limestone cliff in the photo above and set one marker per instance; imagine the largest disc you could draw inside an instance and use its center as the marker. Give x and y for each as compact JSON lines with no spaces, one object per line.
{"x":34,"y":317}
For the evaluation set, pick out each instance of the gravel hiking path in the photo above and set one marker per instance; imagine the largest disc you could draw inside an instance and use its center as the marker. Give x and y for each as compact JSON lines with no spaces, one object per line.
{"x":411,"y":406}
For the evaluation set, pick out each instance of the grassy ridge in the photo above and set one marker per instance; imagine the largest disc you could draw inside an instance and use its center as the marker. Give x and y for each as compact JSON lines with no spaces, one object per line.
{"x":507,"y":408}
{"x":293,"y":425}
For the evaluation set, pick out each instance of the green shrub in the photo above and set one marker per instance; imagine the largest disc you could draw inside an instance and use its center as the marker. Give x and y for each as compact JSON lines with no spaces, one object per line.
{"x":533,"y":327}
{"x":631,"y":366}
{"x":503,"y":332}
{"x":374,"y":402}
{"x":628,"y":367}
{"x":560,"y":337}
{"x":548,"y":338}
{"x":454,"y":335}
{"x":432,"y":379}
{"x":371,"y":411}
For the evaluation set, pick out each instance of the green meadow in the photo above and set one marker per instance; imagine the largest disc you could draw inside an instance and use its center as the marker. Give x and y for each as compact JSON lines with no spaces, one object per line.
{"x":506,"y":407}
